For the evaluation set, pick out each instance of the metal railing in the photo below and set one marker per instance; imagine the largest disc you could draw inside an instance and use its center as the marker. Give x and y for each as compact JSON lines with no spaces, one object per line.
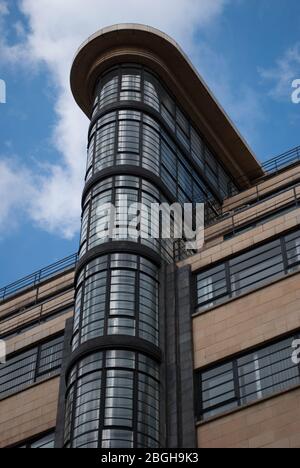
{"x":274,"y":165}
{"x":234,"y":220}
{"x":36,"y":313}
{"x":38,"y":277}
{"x":271,"y":167}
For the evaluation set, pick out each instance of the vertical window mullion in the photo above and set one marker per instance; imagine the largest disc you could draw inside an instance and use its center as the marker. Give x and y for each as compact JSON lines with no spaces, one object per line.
{"x":141,"y":139}
{"x":236,"y":381}
{"x":135,"y":376}
{"x":102,"y":399}
{"x":137,"y":297}
{"x":81,"y":308}
{"x":142,"y":74}
{"x":228,"y":279}
{"x":284,"y":255}
{"x":95,"y":146}
{"x":73,"y":409}
{"x":88,"y":227}
{"x":117,"y":136}
{"x":120,"y":76}
{"x":199,"y":397}
{"x":160,"y":150}
{"x":140,"y":200}
{"x":108,"y":296}
{"x":177,"y":174}
{"x":37,"y":363}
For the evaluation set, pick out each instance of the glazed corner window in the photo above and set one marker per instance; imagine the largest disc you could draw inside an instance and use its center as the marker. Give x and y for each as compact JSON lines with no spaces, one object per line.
{"x":151,"y":91}
{"x":131,"y":80}
{"x":130,"y":85}
{"x":249,"y":271}
{"x":23,"y":370}
{"x":109,"y":89}
{"x":112,"y":283}
{"x":127,"y":388}
{"x":246,"y":379}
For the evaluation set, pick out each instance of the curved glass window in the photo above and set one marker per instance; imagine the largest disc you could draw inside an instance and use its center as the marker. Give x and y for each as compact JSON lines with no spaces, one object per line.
{"x":113,"y":402}
{"x":135,"y":139}
{"x":108,"y":93}
{"x":124,"y":137}
{"x":117,"y":295}
{"x":122,"y":192}
{"x":134,"y":83}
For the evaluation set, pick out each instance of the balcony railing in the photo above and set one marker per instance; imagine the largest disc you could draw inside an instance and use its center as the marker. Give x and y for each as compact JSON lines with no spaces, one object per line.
{"x":234,"y":220}
{"x":271,"y":167}
{"x":282,"y":161}
{"x":23,"y":317}
{"x":38,"y":277}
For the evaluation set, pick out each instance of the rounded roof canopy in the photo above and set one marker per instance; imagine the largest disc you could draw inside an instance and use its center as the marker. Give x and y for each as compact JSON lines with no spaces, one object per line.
{"x":134,"y":43}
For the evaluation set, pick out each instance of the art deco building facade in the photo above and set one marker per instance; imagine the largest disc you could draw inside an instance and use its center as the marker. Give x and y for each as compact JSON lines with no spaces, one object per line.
{"x":135,"y":343}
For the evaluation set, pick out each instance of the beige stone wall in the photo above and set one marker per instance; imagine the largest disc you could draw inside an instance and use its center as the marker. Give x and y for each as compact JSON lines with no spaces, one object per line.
{"x":33,"y":411}
{"x":38,"y":333}
{"x":273,"y":423}
{"x":28,"y":413}
{"x":245,"y":322}
{"x":248,"y":321}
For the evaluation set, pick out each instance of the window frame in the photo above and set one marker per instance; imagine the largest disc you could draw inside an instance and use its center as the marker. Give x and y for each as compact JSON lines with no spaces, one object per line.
{"x":287,"y":268}
{"x":36,"y":375}
{"x":236,"y":367}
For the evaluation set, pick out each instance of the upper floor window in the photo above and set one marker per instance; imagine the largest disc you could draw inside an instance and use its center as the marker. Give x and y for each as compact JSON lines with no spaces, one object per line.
{"x":34,"y":365}
{"x":248,"y":271}
{"x":248,"y":378}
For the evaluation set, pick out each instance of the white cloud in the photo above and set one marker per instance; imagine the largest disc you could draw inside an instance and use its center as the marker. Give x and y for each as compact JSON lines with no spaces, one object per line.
{"x":285,"y":71}
{"x":56,"y":29}
{"x":16,"y":193}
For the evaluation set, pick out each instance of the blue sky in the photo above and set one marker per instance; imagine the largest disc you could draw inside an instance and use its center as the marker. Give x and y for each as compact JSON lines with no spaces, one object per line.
{"x":248,"y":51}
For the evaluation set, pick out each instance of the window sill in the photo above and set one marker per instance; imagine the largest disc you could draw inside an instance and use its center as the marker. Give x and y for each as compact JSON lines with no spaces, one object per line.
{"x":245,"y":407}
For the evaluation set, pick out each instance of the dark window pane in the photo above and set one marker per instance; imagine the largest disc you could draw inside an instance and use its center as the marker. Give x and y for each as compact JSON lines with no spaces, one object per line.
{"x":258,"y":375}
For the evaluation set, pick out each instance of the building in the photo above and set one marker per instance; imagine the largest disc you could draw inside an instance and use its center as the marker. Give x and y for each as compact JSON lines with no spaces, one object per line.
{"x":136,"y":344}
